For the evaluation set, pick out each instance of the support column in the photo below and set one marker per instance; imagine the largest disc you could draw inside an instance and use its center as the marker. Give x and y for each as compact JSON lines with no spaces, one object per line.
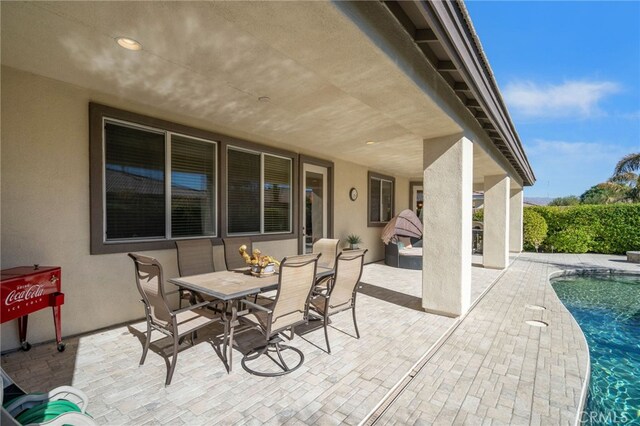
{"x":515,"y":219}
{"x":448,"y":192}
{"x":495,"y":245}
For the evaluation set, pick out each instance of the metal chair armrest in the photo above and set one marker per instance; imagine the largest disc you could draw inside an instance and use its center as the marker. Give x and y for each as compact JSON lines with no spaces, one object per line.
{"x":256,"y":306}
{"x":190,"y":308}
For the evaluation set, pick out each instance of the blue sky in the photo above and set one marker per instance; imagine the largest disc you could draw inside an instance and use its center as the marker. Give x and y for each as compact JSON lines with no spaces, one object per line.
{"x":570,"y":75}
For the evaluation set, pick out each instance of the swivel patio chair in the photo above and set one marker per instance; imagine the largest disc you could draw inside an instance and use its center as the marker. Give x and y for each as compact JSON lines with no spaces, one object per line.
{"x":160,"y":317}
{"x":340,"y":294}
{"x":289,"y":309}
{"x":194,"y":257}
{"x":232,"y":257}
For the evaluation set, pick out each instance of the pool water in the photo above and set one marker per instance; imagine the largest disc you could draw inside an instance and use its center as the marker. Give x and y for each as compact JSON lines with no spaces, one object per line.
{"x":607,"y":308}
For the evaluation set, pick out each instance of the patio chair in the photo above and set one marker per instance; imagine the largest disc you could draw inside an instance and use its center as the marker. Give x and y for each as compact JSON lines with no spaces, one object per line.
{"x":194,"y":257}
{"x":328,"y":248}
{"x":232,"y":257}
{"x":60,"y":406}
{"x":340,"y":294}
{"x":289,"y":309}
{"x":160,"y":317}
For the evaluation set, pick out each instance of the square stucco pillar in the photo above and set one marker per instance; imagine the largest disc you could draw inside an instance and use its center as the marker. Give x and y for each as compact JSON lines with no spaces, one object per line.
{"x":448,"y":191}
{"x":515,"y":219}
{"x":495,"y":245}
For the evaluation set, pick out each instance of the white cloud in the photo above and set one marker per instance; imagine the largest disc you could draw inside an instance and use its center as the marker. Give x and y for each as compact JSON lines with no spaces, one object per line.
{"x":569,"y":151}
{"x":632,"y":115}
{"x":571,"y":98}
{"x":565,"y":168}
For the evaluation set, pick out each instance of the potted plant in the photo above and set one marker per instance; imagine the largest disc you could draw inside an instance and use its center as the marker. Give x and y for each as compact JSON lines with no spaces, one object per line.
{"x":353,"y":241}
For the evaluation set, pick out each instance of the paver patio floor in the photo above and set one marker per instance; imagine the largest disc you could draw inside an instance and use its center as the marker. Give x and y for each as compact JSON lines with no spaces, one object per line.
{"x":494,"y":368}
{"x":327,"y":389}
{"x":483,"y":371}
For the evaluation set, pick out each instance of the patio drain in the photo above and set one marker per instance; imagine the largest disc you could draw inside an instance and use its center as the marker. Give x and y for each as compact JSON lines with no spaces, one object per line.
{"x":535,"y":307}
{"x":536,"y":323}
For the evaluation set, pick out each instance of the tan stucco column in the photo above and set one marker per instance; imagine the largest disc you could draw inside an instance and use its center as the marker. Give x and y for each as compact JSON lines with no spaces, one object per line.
{"x":515,"y":220}
{"x":495,"y":244}
{"x":448,"y":185}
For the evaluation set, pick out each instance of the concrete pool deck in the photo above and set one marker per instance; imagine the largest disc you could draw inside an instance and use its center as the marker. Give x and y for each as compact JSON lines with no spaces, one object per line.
{"x":487,"y":367}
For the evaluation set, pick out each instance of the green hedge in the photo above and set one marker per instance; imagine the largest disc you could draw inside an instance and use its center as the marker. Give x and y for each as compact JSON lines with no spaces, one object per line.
{"x":611,"y":228}
{"x":534,"y":231}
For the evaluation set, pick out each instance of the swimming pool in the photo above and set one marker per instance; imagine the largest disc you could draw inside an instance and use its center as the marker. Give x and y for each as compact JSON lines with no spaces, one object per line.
{"x":607,"y":308}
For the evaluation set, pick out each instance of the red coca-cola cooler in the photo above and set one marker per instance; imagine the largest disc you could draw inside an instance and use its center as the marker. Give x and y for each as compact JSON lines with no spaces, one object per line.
{"x":27,"y":289}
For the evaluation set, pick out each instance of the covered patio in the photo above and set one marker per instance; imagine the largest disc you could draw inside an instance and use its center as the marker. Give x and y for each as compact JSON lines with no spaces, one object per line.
{"x":408,"y":367}
{"x":343,"y":387}
{"x":130,"y":126}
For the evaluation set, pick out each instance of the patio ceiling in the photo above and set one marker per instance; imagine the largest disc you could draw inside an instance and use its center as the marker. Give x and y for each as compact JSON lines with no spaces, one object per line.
{"x":331,"y":88}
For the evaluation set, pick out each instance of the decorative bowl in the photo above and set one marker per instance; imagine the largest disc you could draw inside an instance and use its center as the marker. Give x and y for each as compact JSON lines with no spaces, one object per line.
{"x":268,"y":270}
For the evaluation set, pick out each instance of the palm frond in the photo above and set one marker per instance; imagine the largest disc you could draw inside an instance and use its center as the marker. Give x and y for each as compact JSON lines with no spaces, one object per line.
{"x":627,"y":178}
{"x":629,"y":163}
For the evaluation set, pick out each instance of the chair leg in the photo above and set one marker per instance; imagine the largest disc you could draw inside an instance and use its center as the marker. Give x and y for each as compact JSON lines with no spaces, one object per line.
{"x":326,"y":332}
{"x":146,"y":344}
{"x":172,"y":367}
{"x":224,"y":339}
{"x":284,"y":364}
{"x":355,"y":324}
{"x":234,"y":316}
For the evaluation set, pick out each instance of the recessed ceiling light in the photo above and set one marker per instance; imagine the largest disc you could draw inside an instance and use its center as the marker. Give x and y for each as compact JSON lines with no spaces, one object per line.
{"x":128,"y":43}
{"x":264,"y":99}
{"x":370,"y":143}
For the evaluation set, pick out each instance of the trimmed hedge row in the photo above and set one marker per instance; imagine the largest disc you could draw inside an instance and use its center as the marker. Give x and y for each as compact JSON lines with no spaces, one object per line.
{"x":610,"y":228}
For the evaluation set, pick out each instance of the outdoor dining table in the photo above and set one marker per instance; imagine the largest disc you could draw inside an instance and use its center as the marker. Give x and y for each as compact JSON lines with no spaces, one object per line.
{"x":231,"y":287}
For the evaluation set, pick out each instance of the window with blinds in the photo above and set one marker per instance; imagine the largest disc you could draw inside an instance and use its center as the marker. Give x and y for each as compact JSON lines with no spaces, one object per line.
{"x":140,"y":203}
{"x":193,"y":195}
{"x":381,"y":193}
{"x":277,"y":194}
{"x":243,"y":192}
{"x":259,"y":196}
{"x":134,"y":183}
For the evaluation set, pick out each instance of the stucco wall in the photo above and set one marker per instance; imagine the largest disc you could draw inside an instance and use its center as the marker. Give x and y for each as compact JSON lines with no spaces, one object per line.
{"x":45,"y":205}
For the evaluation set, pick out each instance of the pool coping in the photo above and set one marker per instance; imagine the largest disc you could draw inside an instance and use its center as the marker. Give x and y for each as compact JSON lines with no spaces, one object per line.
{"x":583,"y":272}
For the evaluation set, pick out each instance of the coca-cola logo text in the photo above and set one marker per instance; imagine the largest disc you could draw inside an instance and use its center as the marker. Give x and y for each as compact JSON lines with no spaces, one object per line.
{"x":31,"y":292}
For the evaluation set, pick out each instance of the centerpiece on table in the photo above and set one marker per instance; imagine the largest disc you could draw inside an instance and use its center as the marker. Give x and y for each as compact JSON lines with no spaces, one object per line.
{"x":261,"y":265}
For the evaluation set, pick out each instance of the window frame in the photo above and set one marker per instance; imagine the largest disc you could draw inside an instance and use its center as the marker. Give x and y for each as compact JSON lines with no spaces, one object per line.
{"x":373,"y":175}
{"x":262,"y":154}
{"x":97,"y":113}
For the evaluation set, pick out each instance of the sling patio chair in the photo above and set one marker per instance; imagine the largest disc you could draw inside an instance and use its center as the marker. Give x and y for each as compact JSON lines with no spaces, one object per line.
{"x":195,"y":257}
{"x":160,"y":317}
{"x":340,"y":294}
{"x":289,"y":309}
{"x":232,"y":256}
{"x":328,"y":248}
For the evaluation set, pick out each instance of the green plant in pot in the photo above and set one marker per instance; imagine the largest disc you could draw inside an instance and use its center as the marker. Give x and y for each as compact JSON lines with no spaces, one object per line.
{"x":353,"y":241}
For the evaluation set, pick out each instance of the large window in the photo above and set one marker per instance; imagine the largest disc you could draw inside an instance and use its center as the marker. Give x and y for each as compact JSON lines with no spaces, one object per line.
{"x":381,"y":195}
{"x":258,"y":192}
{"x":157,"y":184}
{"x":153,"y":181}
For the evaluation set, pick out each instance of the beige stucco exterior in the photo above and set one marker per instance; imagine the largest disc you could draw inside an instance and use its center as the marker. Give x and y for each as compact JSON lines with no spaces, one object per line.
{"x":363,"y":80}
{"x":45,"y":204}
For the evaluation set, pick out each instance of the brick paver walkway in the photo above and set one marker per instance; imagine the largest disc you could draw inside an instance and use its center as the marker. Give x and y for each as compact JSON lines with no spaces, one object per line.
{"x":492,"y":367}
